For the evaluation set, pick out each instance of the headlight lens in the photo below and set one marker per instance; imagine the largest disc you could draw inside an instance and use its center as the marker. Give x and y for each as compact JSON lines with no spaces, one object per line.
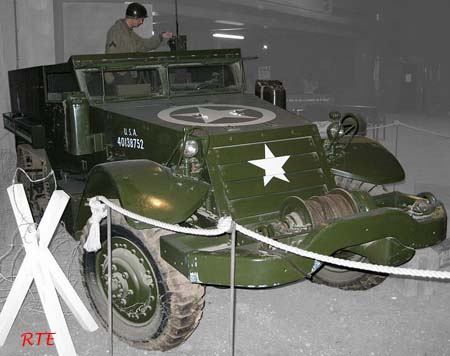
{"x":333,"y":131}
{"x":190,"y":149}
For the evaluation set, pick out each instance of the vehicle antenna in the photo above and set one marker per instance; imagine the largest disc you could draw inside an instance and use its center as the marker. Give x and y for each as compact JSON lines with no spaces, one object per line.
{"x":176,"y":16}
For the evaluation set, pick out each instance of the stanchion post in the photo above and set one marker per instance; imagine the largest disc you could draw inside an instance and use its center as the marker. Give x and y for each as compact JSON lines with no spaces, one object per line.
{"x":232,"y":291}
{"x":397,"y":124}
{"x":396,"y":137}
{"x":110,"y":316}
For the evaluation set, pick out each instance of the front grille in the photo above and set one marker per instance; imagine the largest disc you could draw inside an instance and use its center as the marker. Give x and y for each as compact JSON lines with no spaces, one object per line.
{"x":298,"y":167}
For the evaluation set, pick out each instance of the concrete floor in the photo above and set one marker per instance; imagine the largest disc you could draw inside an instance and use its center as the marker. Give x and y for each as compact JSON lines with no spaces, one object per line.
{"x":400,"y":317}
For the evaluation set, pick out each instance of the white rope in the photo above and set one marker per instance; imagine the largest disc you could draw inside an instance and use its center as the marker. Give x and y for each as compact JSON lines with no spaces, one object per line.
{"x":50,"y":174}
{"x":422,"y":130}
{"x":370,"y":127}
{"x":224,"y":226}
{"x":99,"y":212}
{"x":399,"y":123}
{"x":345,"y":263}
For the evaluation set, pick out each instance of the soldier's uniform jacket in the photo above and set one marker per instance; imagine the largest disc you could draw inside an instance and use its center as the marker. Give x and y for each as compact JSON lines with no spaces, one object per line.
{"x":122,"y":39}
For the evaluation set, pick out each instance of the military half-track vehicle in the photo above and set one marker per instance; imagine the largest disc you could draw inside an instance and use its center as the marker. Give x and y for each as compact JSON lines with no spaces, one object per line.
{"x":174,"y":137}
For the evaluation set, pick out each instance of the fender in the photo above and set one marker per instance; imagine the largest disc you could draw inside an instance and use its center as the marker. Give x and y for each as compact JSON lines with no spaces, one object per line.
{"x":384,"y":236}
{"x":366,"y":160}
{"x":144,"y":187}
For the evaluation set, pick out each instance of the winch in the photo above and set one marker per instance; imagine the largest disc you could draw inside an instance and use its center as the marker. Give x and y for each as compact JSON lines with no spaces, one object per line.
{"x":299,"y":215}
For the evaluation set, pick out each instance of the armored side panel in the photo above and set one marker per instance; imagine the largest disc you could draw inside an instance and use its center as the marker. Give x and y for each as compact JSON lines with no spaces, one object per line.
{"x":24,"y":127}
{"x":59,"y":79}
{"x":27,"y":92}
{"x":31,"y":88}
{"x":35,"y":94}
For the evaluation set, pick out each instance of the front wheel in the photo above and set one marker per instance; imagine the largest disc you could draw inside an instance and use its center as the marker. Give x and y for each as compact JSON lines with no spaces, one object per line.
{"x":154,"y":306}
{"x":347,"y":279}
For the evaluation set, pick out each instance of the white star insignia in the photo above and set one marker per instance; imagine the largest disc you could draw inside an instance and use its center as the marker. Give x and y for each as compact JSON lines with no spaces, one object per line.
{"x":273,"y":166}
{"x":211,"y":115}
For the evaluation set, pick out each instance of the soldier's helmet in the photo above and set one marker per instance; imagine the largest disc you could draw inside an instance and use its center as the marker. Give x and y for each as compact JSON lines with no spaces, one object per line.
{"x":136,"y":11}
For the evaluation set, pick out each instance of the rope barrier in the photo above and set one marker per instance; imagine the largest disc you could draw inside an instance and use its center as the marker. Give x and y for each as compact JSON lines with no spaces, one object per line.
{"x":399,"y":123}
{"x":225,"y":226}
{"x":381,"y":126}
{"x":345,"y":263}
{"x":50,"y":174}
{"x":422,"y":130}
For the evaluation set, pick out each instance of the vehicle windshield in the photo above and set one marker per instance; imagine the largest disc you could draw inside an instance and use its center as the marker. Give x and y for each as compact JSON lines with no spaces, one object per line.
{"x":134,"y":83}
{"x":198,"y":78}
{"x":185,"y":79}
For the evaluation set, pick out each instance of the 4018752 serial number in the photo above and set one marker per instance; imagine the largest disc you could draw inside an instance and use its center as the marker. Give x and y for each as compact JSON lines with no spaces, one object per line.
{"x":129,"y":142}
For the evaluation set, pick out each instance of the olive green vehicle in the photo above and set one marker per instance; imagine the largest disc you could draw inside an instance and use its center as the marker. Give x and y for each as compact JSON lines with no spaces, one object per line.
{"x":173,"y":136}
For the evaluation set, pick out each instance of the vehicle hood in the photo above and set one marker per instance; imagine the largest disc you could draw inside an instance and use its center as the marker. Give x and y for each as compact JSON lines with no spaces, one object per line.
{"x":218,"y":114}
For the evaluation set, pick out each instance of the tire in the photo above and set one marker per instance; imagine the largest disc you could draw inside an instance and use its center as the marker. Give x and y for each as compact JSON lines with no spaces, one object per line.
{"x":343,"y":278}
{"x":354,"y":184}
{"x":347,"y":279}
{"x":155,"y":307}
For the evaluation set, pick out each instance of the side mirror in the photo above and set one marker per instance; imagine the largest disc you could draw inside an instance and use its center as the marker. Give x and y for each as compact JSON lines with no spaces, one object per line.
{"x":340,"y":127}
{"x":348,"y":125}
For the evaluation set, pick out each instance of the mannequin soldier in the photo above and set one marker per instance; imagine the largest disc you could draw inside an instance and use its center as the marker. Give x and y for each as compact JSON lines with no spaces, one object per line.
{"x":121,"y":38}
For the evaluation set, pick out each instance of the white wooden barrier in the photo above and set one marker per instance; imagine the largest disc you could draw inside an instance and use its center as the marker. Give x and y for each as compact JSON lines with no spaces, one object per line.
{"x":40,"y":265}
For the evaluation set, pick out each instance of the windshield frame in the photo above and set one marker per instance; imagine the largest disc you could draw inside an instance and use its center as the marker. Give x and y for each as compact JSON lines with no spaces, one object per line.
{"x":163,"y":70}
{"x":236,"y":70}
{"x":81,"y":77}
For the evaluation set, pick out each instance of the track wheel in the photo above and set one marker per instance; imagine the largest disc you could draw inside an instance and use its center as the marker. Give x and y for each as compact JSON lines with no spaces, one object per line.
{"x":354,"y":184}
{"x":154,"y":306}
{"x":347,"y":279}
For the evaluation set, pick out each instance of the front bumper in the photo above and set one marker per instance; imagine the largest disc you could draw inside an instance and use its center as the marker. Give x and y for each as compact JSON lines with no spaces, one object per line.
{"x":385,"y":234}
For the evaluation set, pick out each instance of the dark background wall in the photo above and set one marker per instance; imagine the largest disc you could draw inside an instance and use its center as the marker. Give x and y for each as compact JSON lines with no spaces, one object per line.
{"x":385,"y":53}
{"x":415,"y":56}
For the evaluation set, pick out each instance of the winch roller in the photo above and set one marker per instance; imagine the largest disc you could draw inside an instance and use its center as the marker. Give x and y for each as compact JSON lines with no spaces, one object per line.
{"x":302,"y":215}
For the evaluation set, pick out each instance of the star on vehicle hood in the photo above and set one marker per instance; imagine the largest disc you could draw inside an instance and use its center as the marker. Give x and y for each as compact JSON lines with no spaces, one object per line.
{"x":273,"y":166}
{"x":211,"y":115}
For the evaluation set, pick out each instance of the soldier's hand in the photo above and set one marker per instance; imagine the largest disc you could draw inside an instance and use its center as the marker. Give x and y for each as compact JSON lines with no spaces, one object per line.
{"x":167,"y":35}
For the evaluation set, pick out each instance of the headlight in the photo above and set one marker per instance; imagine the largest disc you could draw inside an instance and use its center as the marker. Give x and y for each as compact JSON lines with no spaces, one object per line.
{"x":190,"y":149}
{"x":335,"y":131}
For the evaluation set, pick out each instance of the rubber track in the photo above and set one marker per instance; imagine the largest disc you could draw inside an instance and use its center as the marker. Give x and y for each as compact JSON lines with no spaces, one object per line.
{"x":353,"y":184}
{"x":364,"y":282}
